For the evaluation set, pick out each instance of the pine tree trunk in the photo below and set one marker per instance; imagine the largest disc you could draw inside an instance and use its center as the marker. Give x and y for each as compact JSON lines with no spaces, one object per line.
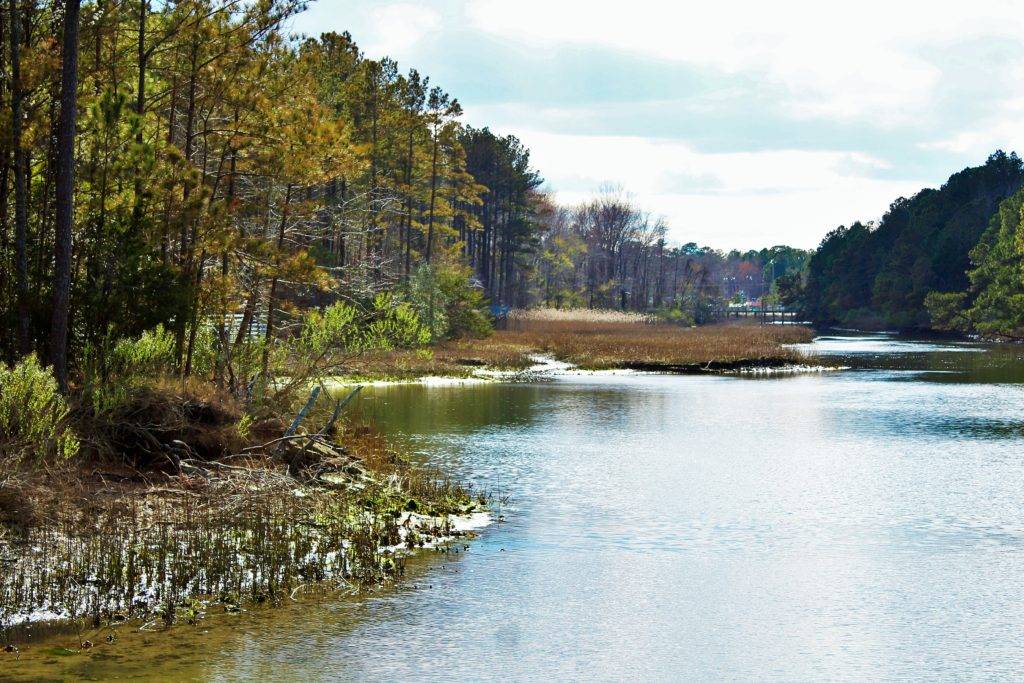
{"x":140,"y":108}
{"x":64,"y":193}
{"x":433,"y":197}
{"x":20,"y":186}
{"x":272,"y":294}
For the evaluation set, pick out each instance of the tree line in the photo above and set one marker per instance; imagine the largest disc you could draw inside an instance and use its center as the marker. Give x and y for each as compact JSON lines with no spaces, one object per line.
{"x":880,"y":276}
{"x":608,"y":252}
{"x":176,"y":162}
{"x":191,"y":164}
{"x":992,"y":301}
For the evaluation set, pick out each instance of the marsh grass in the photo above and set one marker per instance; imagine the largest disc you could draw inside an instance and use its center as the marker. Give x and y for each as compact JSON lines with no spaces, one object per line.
{"x":109,"y":546}
{"x":455,"y":358}
{"x":599,"y":339}
{"x":595,"y":339}
{"x":577,"y":316}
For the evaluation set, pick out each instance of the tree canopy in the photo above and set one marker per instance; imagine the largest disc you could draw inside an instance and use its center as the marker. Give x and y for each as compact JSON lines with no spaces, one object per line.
{"x":877,"y":276}
{"x":193,"y":166}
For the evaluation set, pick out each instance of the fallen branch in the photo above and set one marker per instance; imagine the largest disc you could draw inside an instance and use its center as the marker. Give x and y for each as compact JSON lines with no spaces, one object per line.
{"x":338,"y":408}
{"x":293,"y":427}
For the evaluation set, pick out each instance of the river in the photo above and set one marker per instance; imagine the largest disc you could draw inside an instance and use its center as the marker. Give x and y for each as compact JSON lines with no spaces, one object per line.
{"x":866,"y":523}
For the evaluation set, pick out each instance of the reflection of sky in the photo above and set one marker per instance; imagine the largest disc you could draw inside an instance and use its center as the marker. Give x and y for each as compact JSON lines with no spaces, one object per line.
{"x":879,"y":344}
{"x":746,"y":123}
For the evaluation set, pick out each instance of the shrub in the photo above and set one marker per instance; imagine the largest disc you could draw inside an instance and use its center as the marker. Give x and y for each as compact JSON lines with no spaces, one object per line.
{"x":676,"y":316}
{"x":112,"y":370}
{"x":33,"y":416}
{"x":151,"y":355}
{"x":447,"y":302}
{"x":329,"y":339}
{"x":393,"y":324}
{"x":345,"y":330}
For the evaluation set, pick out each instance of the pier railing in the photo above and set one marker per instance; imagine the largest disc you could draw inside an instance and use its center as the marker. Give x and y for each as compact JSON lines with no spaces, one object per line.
{"x":770,"y":314}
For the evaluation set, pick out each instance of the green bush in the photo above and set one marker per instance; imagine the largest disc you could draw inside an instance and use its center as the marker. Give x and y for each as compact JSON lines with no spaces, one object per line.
{"x":33,"y":416}
{"x":151,"y":355}
{"x":112,"y":369}
{"x":448,"y":304}
{"x":344,"y":329}
{"x":676,"y":316}
{"x":329,"y":339}
{"x":394,"y":324}
{"x":204,"y":351}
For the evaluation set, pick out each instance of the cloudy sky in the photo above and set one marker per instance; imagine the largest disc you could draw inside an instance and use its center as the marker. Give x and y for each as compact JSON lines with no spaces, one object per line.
{"x":746,"y":124}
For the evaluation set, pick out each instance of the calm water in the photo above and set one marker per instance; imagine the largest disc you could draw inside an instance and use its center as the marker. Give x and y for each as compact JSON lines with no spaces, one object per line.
{"x":860,"y":524}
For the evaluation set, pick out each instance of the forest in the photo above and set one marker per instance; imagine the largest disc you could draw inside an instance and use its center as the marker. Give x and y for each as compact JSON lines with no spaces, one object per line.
{"x":879,"y":276}
{"x":193,"y":166}
{"x":992,"y":302}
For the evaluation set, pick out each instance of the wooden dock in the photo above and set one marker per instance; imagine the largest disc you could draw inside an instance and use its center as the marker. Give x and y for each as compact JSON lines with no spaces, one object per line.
{"x":766,"y":315}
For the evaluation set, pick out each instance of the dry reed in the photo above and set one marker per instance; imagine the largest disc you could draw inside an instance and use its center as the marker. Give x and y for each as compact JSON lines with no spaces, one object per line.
{"x":597,"y":339}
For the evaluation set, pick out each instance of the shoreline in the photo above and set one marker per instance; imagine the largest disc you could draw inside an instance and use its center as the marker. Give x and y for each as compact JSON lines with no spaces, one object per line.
{"x":167,"y":549}
{"x":358,"y":512}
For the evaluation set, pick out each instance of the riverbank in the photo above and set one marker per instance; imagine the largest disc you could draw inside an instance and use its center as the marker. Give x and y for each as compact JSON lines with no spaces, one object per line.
{"x":179,"y":505}
{"x":96,"y":545}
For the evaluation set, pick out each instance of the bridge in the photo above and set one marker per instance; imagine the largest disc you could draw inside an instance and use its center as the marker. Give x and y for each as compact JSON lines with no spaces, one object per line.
{"x":774,"y":314}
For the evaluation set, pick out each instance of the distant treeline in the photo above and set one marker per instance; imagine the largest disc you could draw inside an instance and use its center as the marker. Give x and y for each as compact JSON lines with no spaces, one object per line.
{"x":880,"y":276}
{"x":608,"y":253}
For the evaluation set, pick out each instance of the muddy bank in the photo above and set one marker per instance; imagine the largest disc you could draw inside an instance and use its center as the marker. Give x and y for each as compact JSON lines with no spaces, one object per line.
{"x":155,"y":549}
{"x":715,"y":366}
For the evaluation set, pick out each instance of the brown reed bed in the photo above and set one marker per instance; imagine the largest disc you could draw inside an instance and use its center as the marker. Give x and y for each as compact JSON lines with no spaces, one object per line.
{"x":598,"y":340}
{"x":455,"y":358}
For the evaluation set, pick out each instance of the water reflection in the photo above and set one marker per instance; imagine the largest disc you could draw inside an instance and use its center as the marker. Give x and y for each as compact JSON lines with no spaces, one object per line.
{"x":933,"y":360}
{"x":863,"y":524}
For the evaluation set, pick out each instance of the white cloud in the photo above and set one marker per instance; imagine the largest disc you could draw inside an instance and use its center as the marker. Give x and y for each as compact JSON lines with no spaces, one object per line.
{"x":835,"y":60}
{"x":915,"y":70}
{"x":397,"y":29}
{"x":744,"y":199}
{"x":1003,"y":128}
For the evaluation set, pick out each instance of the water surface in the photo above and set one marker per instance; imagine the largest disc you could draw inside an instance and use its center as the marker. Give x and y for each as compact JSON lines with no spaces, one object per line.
{"x":860,"y":524}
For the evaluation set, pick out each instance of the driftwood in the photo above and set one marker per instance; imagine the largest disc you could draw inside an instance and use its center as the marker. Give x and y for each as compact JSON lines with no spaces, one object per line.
{"x":294,"y":426}
{"x":338,"y":408}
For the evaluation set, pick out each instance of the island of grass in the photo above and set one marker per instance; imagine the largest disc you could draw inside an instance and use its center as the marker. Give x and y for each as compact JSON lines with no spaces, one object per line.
{"x":595,"y":340}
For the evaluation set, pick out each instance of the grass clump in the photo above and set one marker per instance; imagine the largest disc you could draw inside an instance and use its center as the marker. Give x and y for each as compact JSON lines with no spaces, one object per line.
{"x":33,"y":417}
